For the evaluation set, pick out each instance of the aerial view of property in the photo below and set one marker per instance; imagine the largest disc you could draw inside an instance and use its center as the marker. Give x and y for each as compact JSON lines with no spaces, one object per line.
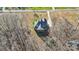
{"x":39,"y":29}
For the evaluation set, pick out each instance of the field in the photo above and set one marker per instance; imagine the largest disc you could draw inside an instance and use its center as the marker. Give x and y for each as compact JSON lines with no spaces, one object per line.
{"x":17,"y":32}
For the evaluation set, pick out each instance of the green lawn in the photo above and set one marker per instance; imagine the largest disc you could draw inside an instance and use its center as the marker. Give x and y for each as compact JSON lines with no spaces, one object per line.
{"x":28,"y":8}
{"x":66,"y":7}
{"x":41,"y":8}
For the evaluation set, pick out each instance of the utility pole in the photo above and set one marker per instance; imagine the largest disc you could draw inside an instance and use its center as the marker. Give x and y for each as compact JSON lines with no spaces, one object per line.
{"x":3,"y":9}
{"x":53,"y":8}
{"x":49,"y":19}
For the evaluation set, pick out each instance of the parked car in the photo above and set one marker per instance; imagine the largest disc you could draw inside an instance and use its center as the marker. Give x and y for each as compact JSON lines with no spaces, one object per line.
{"x":42,"y":27}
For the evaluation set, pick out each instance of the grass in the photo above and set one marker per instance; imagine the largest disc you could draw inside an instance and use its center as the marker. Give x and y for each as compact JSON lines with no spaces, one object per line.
{"x":66,"y":7}
{"x":41,"y":8}
{"x":29,"y":8}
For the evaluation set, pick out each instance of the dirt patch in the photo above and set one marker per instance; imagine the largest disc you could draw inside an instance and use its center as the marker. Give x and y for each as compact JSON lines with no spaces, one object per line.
{"x":17,"y":32}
